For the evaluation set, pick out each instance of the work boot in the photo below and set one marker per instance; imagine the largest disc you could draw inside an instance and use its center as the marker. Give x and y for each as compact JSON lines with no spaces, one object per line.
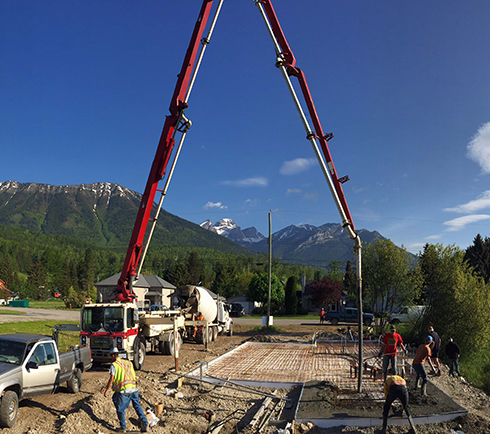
{"x":439,"y":373}
{"x":144,"y":428}
{"x":417,"y":383}
{"x":424,"y":389}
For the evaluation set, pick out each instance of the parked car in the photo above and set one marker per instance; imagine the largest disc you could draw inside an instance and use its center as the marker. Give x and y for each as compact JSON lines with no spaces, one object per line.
{"x":31,"y":365}
{"x":406,"y":314}
{"x":349,"y":316}
{"x":158,"y":307}
{"x":237,"y":309}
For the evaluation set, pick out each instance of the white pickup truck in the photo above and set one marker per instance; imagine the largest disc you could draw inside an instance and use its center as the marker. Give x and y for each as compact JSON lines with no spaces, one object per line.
{"x":31,"y":365}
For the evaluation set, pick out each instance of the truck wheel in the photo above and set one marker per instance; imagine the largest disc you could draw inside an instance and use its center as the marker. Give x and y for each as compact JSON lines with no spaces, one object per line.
{"x":367,"y":322}
{"x":163,"y":347}
{"x":139,"y":355}
{"x":9,"y":409}
{"x":75,"y":382}
{"x":334,"y":321}
{"x":215,"y":333}
{"x":170,"y":344}
{"x":230,"y":330}
{"x":395,"y":321}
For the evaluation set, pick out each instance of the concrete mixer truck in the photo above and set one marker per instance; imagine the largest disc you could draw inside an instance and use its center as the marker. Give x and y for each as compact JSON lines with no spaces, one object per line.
{"x":205,"y":317}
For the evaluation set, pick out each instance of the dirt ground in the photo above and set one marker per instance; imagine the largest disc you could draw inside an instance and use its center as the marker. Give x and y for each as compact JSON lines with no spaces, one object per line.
{"x":185,"y":409}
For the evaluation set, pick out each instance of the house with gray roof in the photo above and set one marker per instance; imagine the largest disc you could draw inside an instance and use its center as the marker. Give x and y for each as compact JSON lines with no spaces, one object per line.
{"x":149,"y":289}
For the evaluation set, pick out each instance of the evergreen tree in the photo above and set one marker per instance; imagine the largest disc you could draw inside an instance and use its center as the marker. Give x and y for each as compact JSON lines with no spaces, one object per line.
{"x":178,"y":275}
{"x":478,"y":256}
{"x":349,"y":284}
{"x":38,"y":282}
{"x":195,"y":269}
{"x":7,"y":272}
{"x":224,"y":281}
{"x":291,"y":302}
{"x":86,"y":274}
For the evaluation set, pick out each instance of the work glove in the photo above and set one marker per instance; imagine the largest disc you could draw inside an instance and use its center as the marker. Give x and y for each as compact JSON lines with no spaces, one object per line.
{"x":380,"y":354}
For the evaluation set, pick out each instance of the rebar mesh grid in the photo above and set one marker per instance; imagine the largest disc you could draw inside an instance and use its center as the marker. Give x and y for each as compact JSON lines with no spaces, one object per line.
{"x":296,"y":363}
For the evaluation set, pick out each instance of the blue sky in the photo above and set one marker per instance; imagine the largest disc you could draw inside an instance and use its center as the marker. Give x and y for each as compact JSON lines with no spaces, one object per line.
{"x":404,"y":86}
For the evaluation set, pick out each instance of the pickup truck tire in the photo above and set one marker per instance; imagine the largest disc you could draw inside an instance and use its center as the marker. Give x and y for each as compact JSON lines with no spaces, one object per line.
{"x":139,"y":356}
{"x":367,"y":322}
{"x":9,"y":408}
{"x":334,"y":321}
{"x":75,"y":382}
{"x":395,"y":321}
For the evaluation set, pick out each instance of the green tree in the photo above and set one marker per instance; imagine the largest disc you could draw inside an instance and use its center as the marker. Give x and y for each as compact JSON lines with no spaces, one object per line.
{"x":38,"y":282}
{"x":478,"y":256}
{"x":390,"y":277}
{"x":224,"y":281}
{"x":196,"y":269}
{"x":86,"y":275}
{"x":178,"y":275}
{"x":259,"y":288}
{"x":7,"y":271}
{"x":349,"y":284}
{"x":334,"y":271}
{"x":458,"y":300}
{"x":291,"y":298}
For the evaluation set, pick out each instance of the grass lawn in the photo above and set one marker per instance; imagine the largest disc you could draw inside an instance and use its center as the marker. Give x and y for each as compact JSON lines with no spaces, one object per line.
{"x":48,"y":304}
{"x":40,"y":327}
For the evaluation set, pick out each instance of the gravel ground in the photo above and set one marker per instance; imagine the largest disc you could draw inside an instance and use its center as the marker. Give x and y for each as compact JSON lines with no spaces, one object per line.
{"x":185,"y":411}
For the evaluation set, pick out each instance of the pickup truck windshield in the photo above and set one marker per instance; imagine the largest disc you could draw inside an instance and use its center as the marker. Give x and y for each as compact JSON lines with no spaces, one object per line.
{"x":11,"y":351}
{"x":103,"y":319}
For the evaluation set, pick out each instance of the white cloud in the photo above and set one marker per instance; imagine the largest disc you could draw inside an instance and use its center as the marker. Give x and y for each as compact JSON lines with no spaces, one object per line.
{"x":249,"y":182}
{"x":293,"y":190}
{"x":218,"y":205}
{"x":311,"y":197}
{"x":482,"y":202}
{"x":433,"y":237}
{"x":296,"y":166}
{"x":479,"y":148}
{"x":459,"y":223}
{"x":252,"y":202}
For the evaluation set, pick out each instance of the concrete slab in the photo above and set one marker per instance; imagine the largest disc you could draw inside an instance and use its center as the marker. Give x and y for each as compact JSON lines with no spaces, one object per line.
{"x":329,"y":396}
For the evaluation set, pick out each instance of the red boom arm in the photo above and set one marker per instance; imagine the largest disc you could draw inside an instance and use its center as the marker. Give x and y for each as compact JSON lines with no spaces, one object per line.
{"x":162,"y":156}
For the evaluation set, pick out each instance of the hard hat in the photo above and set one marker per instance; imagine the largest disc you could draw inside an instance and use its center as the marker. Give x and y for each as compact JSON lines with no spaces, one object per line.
{"x":115,"y":350}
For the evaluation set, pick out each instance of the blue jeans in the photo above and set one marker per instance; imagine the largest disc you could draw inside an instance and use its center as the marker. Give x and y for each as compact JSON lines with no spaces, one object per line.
{"x":122,"y":401}
{"x":452,"y":364}
{"x":395,"y":392}
{"x":386,"y":363}
{"x":421,"y":373}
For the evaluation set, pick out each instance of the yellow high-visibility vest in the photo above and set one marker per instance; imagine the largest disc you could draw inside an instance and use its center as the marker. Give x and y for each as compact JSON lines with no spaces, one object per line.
{"x":124,"y":377}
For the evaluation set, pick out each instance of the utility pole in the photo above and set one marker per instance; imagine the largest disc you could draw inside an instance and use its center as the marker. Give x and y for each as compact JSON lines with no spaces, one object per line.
{"x":270,"y":271}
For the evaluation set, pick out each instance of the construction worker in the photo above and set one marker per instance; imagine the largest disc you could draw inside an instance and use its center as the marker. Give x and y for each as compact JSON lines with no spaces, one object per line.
{"x":434,"y":358}
{"x":453,"y":352}
{"x":322,"y":316}
{"x":122,"y":378}
{"x":423,"y":353}
{"x":389,"y":349}
{"x":396,"y":387}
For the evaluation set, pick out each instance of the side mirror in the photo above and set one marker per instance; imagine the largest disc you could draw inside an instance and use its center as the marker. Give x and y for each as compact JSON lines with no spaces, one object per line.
{"x":32,"y":365}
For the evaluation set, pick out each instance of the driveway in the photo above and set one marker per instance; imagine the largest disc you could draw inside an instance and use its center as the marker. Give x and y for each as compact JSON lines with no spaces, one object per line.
{"x":39,"y":315}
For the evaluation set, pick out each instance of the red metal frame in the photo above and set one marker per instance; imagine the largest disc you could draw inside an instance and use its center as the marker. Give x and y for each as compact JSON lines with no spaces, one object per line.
{"x":162,"y":156}
{"x":290,"y":64}
{"x":166,"y":143}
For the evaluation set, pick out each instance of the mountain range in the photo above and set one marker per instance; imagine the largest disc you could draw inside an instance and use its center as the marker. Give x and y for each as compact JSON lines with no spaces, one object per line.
{"x":104,"y":214}
{"x":302,"y":244}
{"x":101,"y":213}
